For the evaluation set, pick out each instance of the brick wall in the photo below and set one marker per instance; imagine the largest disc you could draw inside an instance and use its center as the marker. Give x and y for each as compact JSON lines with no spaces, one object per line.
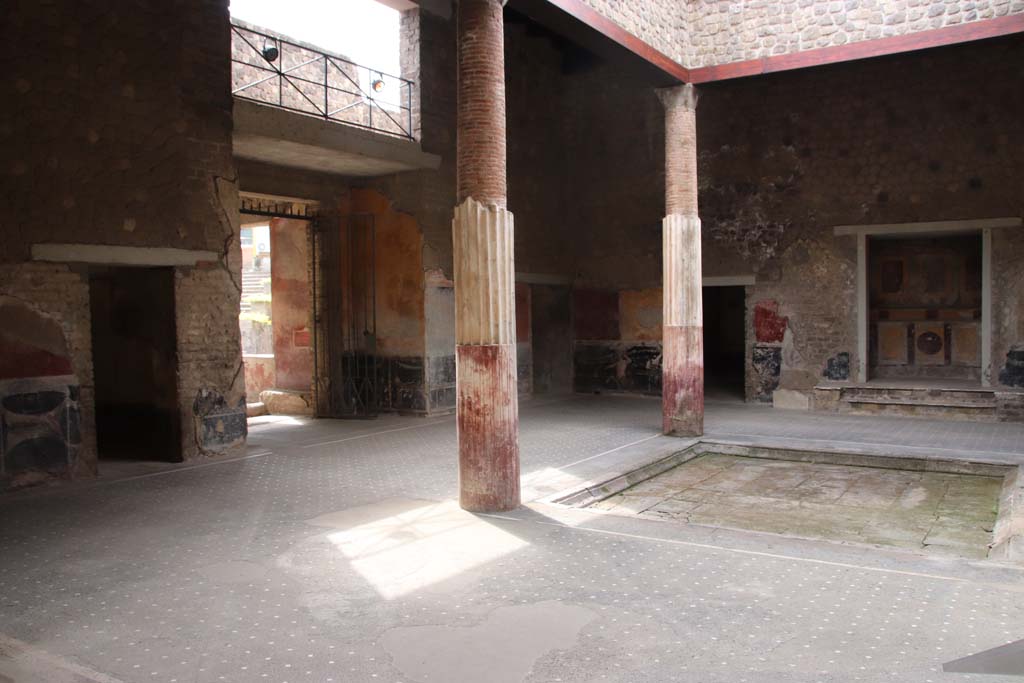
{"x":119,"y":133}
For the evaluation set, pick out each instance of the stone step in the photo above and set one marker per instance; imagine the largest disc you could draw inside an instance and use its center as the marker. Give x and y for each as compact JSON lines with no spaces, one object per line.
{"x":936,"y":403}
{"x":951,"y":404}
{"x":920,"y":395}
{"x":254,"y":279}
{"x":966,"y":413}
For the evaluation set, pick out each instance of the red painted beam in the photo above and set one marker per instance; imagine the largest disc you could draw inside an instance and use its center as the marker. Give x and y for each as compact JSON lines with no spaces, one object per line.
{"x":949,"y":35}
{"x":608,"y":28}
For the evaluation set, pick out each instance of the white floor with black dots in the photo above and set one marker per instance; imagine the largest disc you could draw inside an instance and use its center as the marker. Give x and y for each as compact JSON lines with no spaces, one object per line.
{"x":335,"y":553}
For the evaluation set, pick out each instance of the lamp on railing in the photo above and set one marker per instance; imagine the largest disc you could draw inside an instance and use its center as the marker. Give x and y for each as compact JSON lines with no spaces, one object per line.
{"x":270,"y":51}
{"x":378,"y":83}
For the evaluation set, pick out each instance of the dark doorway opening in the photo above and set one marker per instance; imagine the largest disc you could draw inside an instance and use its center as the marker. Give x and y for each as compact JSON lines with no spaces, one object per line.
{"x":134,"y":352}
{"x":551,"y":334}
{"x":924,"y":320}
{"x":724,"y":342}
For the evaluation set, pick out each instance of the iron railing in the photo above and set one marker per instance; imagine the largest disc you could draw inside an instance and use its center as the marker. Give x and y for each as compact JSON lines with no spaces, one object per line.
{"x":270,"y":69}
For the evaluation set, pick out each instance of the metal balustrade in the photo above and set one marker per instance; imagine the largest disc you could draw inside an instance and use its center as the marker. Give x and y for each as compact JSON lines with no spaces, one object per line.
{"x":272,"y":70}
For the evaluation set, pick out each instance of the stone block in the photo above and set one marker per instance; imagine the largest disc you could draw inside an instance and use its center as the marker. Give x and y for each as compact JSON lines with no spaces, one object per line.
{"x":788,"y":399}
{"x":281,"y":402}
{"x":255,"y":409}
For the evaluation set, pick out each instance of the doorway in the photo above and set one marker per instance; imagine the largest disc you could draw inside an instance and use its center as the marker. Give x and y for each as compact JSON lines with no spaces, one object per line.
{"x":134,"y":349}
{"x":724,"y":342}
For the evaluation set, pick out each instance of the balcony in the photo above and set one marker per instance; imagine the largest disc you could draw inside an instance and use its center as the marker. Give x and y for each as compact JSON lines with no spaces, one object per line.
{"x":299,"y":106}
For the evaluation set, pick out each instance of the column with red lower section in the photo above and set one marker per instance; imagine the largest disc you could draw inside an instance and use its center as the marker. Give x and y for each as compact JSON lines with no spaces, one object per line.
{"x":682,"y":384}
{"x":482,"y":236}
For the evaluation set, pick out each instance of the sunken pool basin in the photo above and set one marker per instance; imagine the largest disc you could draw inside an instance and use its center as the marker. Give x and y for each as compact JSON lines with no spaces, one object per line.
{"x":929,"y":506}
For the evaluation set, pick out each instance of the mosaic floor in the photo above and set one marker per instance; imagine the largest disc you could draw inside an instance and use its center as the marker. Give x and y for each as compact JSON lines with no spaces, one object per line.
{"x":335,"y":552}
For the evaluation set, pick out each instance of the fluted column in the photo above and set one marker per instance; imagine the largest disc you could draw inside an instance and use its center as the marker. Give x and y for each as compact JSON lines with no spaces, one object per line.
{"x":682,"y":388}
{"x":482,"y":237}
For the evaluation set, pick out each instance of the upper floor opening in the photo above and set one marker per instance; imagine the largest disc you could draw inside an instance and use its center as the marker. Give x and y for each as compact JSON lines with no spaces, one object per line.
{"x":339,"y":61}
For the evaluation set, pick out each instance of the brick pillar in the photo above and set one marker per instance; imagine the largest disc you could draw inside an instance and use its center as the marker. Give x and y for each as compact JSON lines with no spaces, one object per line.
{"x":682,"y":392}
{"x":482,"y":236}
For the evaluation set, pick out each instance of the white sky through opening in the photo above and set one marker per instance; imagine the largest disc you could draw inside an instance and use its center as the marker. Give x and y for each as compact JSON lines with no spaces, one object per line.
{"x":364,"y":31}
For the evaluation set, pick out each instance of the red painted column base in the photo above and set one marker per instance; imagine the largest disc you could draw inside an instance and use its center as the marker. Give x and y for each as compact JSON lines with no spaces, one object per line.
{"x":487,"y":412}
{"x":682,"y":380}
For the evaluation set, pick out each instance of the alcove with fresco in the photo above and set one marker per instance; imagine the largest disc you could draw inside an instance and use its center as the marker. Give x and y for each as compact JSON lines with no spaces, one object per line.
{"x":925,"y":308}
{"x":39,"y":397}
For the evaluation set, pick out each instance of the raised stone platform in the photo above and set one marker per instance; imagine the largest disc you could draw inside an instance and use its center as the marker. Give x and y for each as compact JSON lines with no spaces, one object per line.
{"x":951,"y":401}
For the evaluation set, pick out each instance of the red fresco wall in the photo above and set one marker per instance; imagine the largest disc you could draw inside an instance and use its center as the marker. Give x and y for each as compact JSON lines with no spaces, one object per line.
{"x":290,"y":306}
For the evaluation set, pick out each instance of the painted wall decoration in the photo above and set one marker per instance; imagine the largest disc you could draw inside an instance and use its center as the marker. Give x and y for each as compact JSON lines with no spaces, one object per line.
{"x":1012,"y":374}
{"x":769,"y":326}
{"x":838,"y":367}
{"x":290,"y":305}
{"x":617,"y":366}
{"x":259,"y":375}
{"x":219,"y":425}
{"x":40,"y":429}
{"x":925,"y":307}
{"x":31,"y":344}
{"x":400,"y":383}
{"x":40,"y":416}
{"x":767,"y":365}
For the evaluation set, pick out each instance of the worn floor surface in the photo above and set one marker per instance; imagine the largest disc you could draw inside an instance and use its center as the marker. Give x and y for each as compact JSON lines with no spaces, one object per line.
{"x":335,"y":553}
{"x":932,"y":512}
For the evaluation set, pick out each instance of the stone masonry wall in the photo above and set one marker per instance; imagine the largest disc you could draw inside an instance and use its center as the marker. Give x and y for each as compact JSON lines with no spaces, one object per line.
{"x":119,"y":133}
{"x":723,"y":31}
{"x":662,"y":24}
{"x":700,"y":33}
{"x":785,"y":158}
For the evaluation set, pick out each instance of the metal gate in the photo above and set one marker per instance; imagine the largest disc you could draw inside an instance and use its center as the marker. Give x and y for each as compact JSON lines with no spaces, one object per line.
{"x":349,"y":321}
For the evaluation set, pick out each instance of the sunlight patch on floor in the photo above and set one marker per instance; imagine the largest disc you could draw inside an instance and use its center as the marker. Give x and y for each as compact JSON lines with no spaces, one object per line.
{"x":401,"y":545}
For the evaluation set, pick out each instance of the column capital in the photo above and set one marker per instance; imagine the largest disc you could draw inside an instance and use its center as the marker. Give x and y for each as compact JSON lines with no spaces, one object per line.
{"x":677,"y":96}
